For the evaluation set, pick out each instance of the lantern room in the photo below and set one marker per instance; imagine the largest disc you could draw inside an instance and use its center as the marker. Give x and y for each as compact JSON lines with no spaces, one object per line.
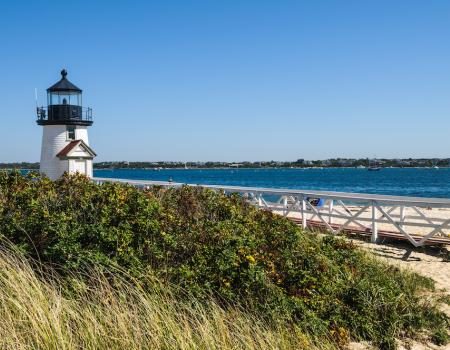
{"x":64,"y":105}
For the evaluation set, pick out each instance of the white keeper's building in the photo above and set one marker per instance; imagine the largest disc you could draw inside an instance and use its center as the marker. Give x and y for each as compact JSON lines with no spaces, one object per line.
{"x":65,"y":142}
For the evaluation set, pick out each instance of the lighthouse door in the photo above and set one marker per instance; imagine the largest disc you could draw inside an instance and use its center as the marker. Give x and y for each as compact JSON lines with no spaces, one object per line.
{"x":80,"y":166}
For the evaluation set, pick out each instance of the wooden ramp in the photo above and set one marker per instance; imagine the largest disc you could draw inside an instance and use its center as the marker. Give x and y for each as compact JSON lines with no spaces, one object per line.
{"x":356,"y":231}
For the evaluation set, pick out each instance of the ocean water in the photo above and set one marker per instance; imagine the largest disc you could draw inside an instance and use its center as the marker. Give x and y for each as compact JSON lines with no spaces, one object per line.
{"x":420,"y":182}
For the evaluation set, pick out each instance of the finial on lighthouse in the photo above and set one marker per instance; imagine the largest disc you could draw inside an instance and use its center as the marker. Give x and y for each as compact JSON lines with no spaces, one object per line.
{"x":64,"y":74}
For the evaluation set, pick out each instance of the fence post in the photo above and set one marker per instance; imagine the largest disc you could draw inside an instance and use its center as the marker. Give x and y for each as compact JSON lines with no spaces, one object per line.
{"x":402,"y":215}
{"x":304,"y":222}
{"x":285,"y":205}
{"x":330,"y":211}
{"x":374,"y":237}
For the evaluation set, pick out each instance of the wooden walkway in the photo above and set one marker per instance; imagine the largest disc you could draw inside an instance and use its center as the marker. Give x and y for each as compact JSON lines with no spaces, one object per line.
{"x":382,"y":234}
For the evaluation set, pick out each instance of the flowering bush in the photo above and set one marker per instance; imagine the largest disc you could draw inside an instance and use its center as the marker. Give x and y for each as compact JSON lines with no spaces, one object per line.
{"x":209,"y":243}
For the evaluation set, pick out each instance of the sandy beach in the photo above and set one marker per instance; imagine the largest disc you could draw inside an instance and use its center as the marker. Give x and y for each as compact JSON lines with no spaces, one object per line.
{"x":428,"y":262}
{"x":416,"y":221}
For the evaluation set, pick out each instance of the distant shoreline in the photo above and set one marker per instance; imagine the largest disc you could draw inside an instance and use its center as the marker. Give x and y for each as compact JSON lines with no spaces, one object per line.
{"x":331,"y":163}
{"x":250,"y":168}
{"x":242,"y":168}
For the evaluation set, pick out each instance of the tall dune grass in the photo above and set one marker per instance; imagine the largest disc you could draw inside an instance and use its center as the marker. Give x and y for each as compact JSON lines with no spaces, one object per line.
{"x":39,"y":311}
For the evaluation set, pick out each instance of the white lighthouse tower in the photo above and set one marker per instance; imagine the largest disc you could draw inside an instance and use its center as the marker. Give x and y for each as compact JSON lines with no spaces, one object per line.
{"x":65,"y":143}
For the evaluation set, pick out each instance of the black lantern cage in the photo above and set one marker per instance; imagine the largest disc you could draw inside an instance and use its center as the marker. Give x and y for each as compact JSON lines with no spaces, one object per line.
{"x":64,"y":105}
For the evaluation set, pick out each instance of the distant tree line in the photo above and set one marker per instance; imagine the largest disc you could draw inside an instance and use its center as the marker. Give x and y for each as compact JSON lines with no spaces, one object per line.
{"x":21,"y":165}
{"x":299,"y":163}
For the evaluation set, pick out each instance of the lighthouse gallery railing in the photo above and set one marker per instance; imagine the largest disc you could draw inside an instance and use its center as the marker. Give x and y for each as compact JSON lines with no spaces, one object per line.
{"x":64,"y":112}
{"x":414,"y":219}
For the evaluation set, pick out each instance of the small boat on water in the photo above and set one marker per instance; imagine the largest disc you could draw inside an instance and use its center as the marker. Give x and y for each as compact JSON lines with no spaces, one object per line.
{"x":373,"y":165}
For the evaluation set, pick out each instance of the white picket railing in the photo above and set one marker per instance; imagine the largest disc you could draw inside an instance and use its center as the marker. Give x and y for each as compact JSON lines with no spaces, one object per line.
{"x":417,"y":220}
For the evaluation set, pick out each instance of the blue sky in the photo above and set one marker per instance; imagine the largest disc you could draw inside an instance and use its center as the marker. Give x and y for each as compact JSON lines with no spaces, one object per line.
{"x":233,"y":80}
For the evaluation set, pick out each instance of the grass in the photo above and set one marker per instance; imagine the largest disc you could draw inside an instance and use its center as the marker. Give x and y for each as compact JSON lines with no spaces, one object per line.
{"x":40,"y":311}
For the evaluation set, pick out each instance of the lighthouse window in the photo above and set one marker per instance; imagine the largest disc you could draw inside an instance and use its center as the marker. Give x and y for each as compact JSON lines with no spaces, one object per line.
{"x":64,"y":99}
{"x":75,"y":100}
{"x":54,"y":99}
{"x":70,"y":133}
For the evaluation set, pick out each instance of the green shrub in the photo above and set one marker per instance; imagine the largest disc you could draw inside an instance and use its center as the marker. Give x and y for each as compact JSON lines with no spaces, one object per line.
{"x":440,"y":337}
{"x":209,"y":243}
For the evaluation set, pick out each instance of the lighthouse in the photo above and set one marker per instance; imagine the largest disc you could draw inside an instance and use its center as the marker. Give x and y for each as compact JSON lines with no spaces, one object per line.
{"x":65,"y":142}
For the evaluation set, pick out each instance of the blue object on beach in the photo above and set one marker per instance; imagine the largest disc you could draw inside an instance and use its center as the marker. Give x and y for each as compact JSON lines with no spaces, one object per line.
{"x":320,"y":203}
{"x":317,"y":202}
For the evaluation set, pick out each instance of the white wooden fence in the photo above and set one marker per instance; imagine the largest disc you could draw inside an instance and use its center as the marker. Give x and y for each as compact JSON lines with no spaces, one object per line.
{"x":418,"y":220}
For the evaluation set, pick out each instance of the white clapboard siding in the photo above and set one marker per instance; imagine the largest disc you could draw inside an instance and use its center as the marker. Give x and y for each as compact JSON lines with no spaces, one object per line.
{"x":54,"y":139}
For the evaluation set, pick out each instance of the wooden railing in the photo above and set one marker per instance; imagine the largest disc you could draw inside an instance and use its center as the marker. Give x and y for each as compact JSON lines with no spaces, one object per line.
{"x":417,"y":220}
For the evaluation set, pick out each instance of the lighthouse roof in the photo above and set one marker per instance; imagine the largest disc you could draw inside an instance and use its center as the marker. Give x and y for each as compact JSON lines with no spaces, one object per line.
{"x":64,"y":84}
{"x":76,"y":149}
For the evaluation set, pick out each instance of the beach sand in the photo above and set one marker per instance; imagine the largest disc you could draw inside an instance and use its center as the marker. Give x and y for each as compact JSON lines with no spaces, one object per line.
{"x":427,"y":261}
{"x":414,"y":222}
